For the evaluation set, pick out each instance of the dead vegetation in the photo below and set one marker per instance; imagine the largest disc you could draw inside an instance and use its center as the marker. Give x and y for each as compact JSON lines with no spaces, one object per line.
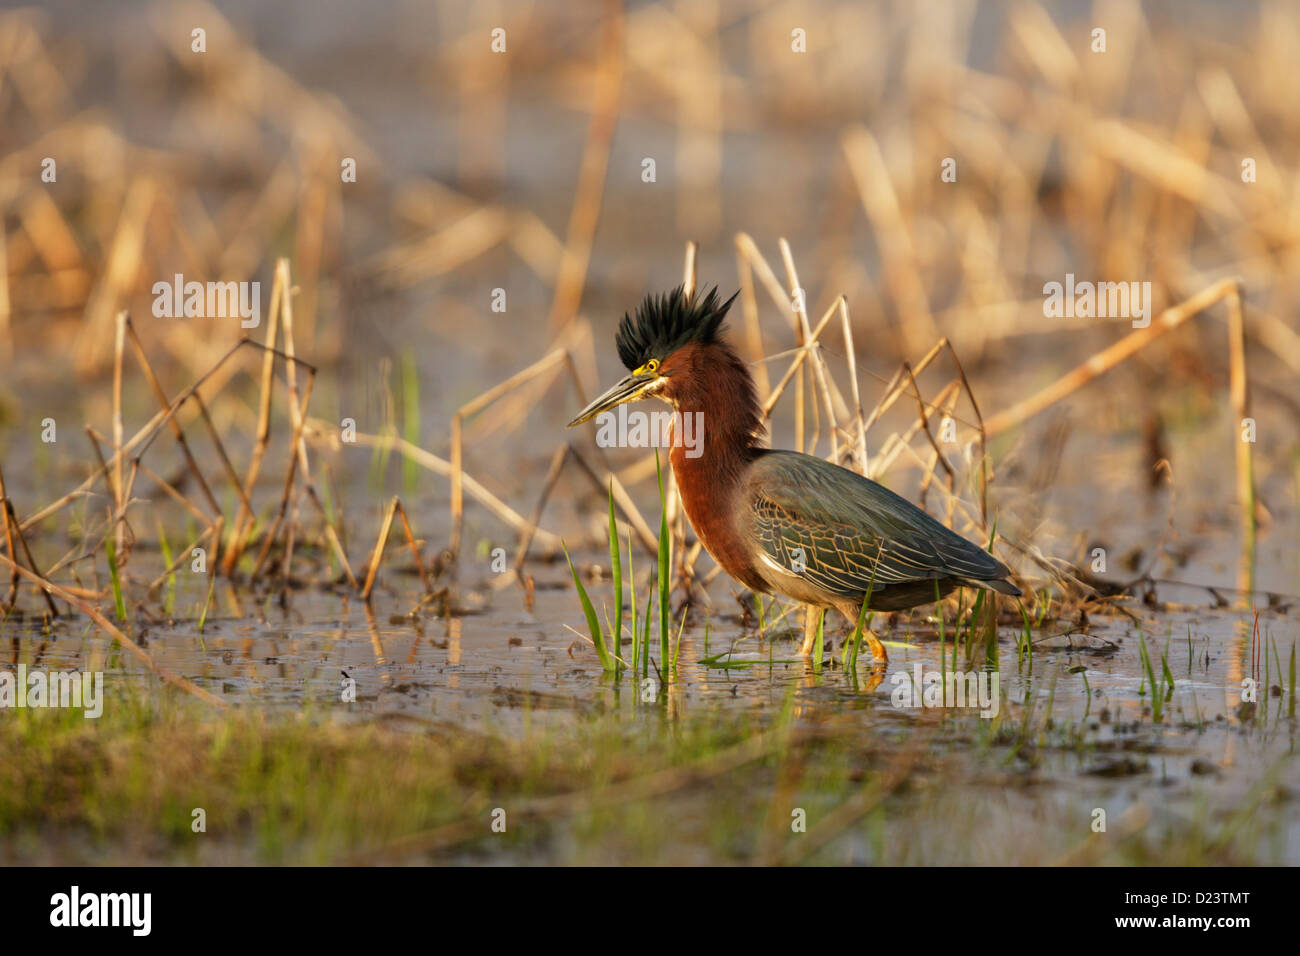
{"x":1046,"y":144}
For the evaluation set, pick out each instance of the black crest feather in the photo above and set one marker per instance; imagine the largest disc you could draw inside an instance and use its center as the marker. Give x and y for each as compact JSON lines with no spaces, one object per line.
{"x":664,"y":323}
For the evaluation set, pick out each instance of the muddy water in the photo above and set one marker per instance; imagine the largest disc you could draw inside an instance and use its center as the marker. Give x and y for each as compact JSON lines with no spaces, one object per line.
{"x":500,"y":668}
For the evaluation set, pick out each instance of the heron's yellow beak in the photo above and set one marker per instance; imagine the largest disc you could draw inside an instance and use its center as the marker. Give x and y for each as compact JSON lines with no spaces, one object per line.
{"x":628,"y":390}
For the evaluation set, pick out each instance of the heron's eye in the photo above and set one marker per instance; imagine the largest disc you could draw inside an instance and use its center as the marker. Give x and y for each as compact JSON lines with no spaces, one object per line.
{"x":652,"y":365}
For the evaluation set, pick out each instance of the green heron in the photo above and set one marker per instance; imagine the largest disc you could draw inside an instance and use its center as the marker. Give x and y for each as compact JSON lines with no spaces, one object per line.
{"x":780,"y":521}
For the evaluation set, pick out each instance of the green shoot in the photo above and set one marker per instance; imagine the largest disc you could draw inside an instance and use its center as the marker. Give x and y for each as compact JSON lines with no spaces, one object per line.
{"x":593,"y":622}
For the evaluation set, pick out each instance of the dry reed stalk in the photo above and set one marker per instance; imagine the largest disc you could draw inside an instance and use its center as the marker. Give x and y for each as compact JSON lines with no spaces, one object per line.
{"x":512,"y":410}
{"x":534,"y":243}
{"x":591,"y":176}
{"x":850,"y":352}
{"x":290,"y":536}
{"x":759,"y":267}
{"x":893,"y":239}
{"x":249,"y":223}
{"x":126,"y":327}
{"x":526,"y":536}
{"x":483,"y":102}
{"x":378,"y":553}
{"x":753,"y":332}
{"x":1239,"y":391}
{"x":245,"y":512}
{"x":936,"y":459}
{"x":119,"y":273}
{"x":800,"y":353}
{"x":53,"y":238}
{"x":119,"y":499}
{"x":801,"y":334}
{"x":50,"y":588}
{"x":171,"y":492}
{"x":296,"y":412}
{"x":7,"y":516}
{"x":415,"y":550}
{"x":27,"y":555}
{"x":297,"y":418}
{"x":983,"y":437}
{"x":6,"y":333}
{"x":892,"y":446}
{"x":291,"y":475}
{"x":310,"y":237}
{"x":250,"y":83}
{"x":694,"y":34}
{"x":1278,"y":338}
{"x":1161,"y":163}
{"x":439,"y":466}
{"x":938,"y":455}
{"x":896,"y":386}
{"x":144,"y":436}
{"x":672,"y":498}
{"x":444,"y":250}
{"x":621,"y":498}
{"x":1109,"y":357}
{"x":467,"y":411}
{"x":688,"y":269}
{"x":220,"y":446}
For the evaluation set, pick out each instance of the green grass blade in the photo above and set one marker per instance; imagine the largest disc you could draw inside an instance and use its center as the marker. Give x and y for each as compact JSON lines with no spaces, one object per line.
{"x":665,"y":583}
{"x":631,"y":590}
{"x":616,"y":569}
{"x":110,"y":546}
{"x":593,"y":622}
{"x":169,"y":603}
{"x":817,"y":644}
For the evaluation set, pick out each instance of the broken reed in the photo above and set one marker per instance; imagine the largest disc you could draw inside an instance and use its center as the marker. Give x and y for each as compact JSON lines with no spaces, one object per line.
{"x":259,"y":546}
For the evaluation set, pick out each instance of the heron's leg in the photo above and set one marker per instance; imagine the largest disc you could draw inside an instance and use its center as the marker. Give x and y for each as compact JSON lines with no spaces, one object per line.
{"x":811,"y":618}
{"x":879,"y":656}
{"x":875,"y":678}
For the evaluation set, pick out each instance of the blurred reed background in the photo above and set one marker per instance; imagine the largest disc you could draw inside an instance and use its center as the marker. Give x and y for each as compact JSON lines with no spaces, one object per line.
{"x":826,"y":124}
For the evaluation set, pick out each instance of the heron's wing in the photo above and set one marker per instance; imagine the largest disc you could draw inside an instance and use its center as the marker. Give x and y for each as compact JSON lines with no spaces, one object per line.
{"x":846,"y":533}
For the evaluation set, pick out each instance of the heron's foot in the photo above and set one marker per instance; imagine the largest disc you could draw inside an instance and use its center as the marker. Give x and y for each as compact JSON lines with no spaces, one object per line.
{"x":875,"y":678}
{"x":879,"y":656}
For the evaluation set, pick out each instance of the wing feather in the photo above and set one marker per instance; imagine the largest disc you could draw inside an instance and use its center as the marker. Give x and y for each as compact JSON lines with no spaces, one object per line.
{"x":838,"y":529}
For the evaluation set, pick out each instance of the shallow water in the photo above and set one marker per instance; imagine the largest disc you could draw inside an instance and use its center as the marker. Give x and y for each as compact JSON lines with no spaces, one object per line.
{"x":499,"y":668}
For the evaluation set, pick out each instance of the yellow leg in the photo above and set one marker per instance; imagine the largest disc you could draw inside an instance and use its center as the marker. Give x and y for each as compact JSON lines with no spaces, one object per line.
{"x":811,"y":618}
{"x":879,"y":656}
